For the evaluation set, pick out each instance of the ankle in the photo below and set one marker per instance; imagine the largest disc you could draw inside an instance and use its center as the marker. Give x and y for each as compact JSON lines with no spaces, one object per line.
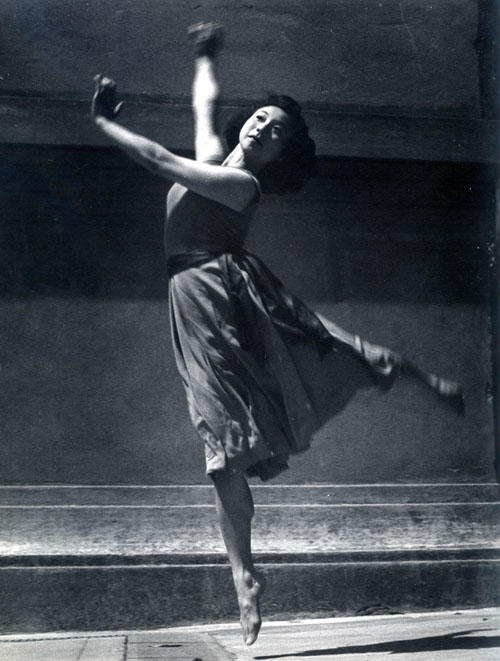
{"x":244,"y":576}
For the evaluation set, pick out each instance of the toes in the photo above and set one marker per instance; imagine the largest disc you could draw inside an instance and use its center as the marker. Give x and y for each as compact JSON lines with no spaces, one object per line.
{"x":103,"y":81}
{"x":204,"y":32}
{"x":194,"y":29}
{"x":208,"y":29}
{"x":251,"y":637}
{"x":107,"y":82}
{"x":250,"y":625}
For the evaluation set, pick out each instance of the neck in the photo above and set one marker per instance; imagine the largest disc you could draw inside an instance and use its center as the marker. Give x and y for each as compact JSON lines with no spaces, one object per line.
{"x":237,"y":159}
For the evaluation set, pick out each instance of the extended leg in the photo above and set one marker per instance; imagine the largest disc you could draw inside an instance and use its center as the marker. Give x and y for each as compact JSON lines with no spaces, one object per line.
{"x":235,"y":511}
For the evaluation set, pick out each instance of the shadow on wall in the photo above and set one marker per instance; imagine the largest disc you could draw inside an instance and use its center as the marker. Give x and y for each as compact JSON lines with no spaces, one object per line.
{"x":87,"y":222}
{"x":89,"y":391}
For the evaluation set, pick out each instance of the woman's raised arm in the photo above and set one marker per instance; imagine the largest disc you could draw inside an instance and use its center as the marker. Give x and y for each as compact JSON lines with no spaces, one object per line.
{"x":207,"y":40}
{"x":228,"y":185}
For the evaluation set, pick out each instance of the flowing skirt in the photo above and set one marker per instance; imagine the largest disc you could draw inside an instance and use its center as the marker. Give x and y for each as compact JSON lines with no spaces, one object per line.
{"x":261,"y":371}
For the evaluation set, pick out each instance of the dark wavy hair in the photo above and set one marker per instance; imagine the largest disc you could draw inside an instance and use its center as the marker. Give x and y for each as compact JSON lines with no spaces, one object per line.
{"x":297,"y":161}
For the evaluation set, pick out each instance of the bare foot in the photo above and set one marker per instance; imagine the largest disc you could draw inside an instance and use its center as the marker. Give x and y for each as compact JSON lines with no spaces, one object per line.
{"x":249,"y":590}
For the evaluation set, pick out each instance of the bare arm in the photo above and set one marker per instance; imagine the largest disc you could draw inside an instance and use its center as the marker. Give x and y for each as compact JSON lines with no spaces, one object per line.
{"x":208,"y":144}
{"x":207,"y":38}
{"x":229,"y":186}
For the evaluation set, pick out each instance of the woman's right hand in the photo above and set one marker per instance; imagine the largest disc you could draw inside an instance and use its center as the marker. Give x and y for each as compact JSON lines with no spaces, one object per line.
{"x":104,"y":99}
{"x":207,"y":38}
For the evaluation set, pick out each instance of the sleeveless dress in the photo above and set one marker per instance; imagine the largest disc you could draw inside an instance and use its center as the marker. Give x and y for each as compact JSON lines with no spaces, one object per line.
{"x":261,"y":371}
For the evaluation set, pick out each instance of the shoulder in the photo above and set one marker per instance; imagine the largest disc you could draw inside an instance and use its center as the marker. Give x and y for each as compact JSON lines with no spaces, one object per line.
{"x":253,"y":187}
{"x":257,"y":193}
{"x":250,"y":191}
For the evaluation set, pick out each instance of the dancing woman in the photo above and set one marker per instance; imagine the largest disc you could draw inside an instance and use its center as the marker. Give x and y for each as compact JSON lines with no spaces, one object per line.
{"x":261,"y":371}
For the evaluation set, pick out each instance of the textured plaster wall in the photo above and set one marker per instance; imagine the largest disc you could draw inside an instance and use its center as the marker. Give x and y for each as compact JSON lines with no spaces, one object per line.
{"x":88,"y":387}
{"x":415,"y":57}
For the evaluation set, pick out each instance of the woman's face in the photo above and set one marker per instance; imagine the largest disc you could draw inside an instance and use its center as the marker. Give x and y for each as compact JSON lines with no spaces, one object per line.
{"x":264,"y":134}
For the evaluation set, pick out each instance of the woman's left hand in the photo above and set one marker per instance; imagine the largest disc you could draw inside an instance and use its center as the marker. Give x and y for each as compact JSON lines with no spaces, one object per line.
{"x":104,"y":99}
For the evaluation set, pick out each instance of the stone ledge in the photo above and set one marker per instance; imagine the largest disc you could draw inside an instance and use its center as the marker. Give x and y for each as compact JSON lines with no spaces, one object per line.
{"x":130,"y":522}
{"x":128,"y":530}
{"x":284,"y":494}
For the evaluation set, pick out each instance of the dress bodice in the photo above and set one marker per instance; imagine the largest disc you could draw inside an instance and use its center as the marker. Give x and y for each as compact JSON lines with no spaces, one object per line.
{"x":197,"y":223}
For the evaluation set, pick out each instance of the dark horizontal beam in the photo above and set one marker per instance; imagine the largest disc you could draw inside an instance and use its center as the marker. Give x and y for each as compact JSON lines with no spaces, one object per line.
{"x":53,"y":121}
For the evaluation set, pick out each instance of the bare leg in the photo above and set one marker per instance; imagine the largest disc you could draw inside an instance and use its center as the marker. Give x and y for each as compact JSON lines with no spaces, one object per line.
{"x":235,"y":510}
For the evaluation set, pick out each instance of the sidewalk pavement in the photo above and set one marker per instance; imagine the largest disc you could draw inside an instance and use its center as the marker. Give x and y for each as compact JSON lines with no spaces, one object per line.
{"x":454,"y":636}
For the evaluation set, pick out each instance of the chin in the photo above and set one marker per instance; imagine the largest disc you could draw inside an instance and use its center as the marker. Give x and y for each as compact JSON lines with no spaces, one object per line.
{"x":248,"y":144}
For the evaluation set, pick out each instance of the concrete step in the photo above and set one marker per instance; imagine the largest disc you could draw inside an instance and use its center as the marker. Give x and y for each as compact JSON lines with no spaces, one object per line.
{"x":87,"y":596}
{"x":202,"y":494}
{"x":131,"y":530}
{"x":288,"y":519}
{"x":87,"y":558}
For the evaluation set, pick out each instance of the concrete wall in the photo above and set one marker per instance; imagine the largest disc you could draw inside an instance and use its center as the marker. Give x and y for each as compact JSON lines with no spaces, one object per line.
{"x":385,"y":79}
{"x":88,"y":388}
{"x":412,"y":56}
{"x":397,"y":249}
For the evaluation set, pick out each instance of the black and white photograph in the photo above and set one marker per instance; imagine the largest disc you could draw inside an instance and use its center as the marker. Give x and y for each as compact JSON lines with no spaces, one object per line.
{"x":249,"y":354}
